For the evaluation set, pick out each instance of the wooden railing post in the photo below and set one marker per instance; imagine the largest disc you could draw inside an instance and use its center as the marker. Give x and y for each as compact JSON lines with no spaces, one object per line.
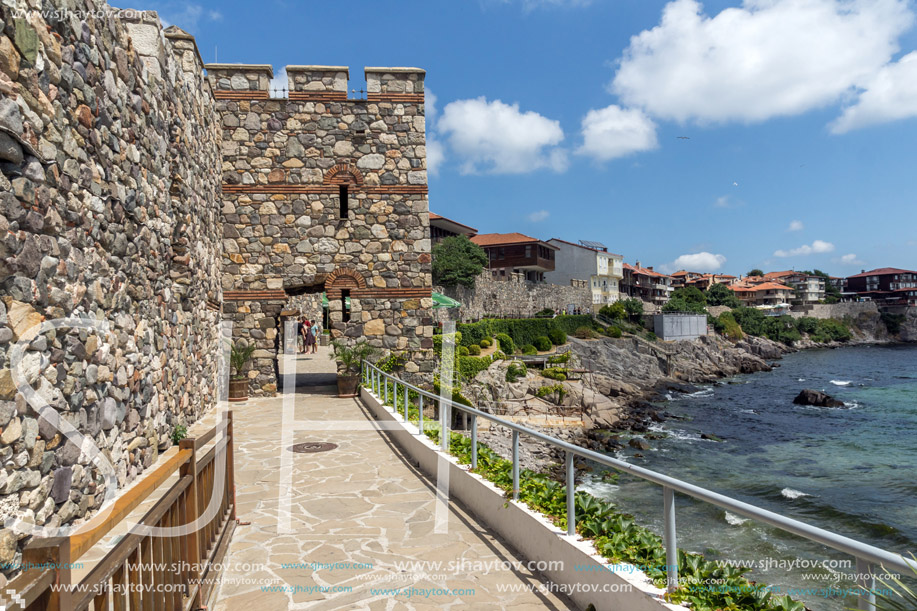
{"x":191,"y":514}
{"x":54,"y":552}
{"x":230,"y":463}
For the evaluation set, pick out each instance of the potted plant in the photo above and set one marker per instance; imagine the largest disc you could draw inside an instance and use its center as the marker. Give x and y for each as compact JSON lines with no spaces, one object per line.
{"x":349,"y":360}
{"x":240,"y":354}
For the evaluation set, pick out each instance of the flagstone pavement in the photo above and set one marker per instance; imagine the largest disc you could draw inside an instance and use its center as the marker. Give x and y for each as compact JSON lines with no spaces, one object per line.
{"x":359,"y":504}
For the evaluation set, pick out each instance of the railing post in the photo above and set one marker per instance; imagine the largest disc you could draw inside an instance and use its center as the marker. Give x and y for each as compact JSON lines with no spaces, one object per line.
{"x":445,"y":416}
{"x":407,"y":394}
{"x":571,"y":495}
{"x":671,"y":550}
{"x":230,"y":462}
{"x":515,"y":465}
{"x":474,"y":442}
{"x":866,"y":580}
{"x":385,"y":383}
{"x":420,"y":402}
{"x":191,"y":514}
{"x":53,"y":552}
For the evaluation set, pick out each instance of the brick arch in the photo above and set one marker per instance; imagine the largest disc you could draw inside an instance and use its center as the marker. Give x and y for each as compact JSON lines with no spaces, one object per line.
{"x":344,"y":278}
{"x":343,"y":174}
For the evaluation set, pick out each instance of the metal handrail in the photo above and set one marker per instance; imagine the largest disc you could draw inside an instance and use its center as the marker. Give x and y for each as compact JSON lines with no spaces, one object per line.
{"x":866,"y":555}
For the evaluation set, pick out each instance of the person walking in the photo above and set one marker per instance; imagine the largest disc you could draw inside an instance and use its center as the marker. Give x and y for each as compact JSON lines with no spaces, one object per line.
{"x":312,"y":338}
{"x":303,"y":333}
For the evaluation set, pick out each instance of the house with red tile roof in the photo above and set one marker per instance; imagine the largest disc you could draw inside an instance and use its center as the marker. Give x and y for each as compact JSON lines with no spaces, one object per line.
{"x":889,"y":285}
{"x":517,"y":253}
{"x":763,"y":294}
{"x":809,"y":287}
{"x":591,"y":263}
{"x":646,"y":283}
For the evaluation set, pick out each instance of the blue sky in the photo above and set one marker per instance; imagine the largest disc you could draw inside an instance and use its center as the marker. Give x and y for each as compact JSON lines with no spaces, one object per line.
{"x":562,"y":118}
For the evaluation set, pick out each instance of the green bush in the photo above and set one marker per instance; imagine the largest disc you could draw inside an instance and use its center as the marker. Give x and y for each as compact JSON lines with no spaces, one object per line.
{"x":474,"y":350}
{"x":485,"y":343}
{"x":687,"y":299}
{"x":830,"y":330}
{"x":515,"y":371}
{"x":506,"y":343}
{"x":555,"y":373}
{"x":651,"y":336}
{"x":560,"y":359}
{"x":545,"y":313}
{"x":569,"y":324}
{"x":727,"y":325}
{"x":586,"y":333}
{"x":462,"y":351}
{"x":457,"y":261}
{"x":722,"y":295}
{"x":529,"y":350}
{"x":615,"y":311}
{"x":543,"y":344}
{"x":634,"y":307}
{"x":614,"y":332}
{"x":470,"y":366}
{"x":557,"y":337}
{"x":438,"y":342}
{"x":807,"y":324}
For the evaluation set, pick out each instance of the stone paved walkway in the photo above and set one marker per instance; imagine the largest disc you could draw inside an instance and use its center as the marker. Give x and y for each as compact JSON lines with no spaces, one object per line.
{"x":360,"y":503}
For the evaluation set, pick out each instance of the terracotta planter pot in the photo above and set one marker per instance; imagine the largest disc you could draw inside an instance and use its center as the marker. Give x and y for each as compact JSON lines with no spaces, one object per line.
{"x":347,"y":385}
{"x":238,"y":390}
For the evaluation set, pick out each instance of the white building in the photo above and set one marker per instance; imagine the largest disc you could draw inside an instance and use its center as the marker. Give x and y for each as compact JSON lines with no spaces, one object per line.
{"x":587,"y":262}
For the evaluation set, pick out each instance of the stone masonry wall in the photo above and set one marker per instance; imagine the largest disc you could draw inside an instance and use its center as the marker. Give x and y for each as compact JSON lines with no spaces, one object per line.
{"x":109,"y":157}
{"x":510,"y":299}
{"x":285,"y":162}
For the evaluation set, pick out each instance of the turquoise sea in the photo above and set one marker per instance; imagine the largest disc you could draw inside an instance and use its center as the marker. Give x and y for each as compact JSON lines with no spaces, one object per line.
{"x":852,"y":470}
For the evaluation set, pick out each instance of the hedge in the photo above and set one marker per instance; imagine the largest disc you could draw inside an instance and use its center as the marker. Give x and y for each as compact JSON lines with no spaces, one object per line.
{"x":523,"y":331}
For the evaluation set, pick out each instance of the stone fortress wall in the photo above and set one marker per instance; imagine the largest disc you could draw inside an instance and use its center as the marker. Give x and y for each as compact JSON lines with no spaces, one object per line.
{"x":109,"y":210}
{"x":287,"y":165}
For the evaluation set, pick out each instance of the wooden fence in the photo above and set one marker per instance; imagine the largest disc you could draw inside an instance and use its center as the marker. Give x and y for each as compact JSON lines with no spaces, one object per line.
{"x":146,"y":569}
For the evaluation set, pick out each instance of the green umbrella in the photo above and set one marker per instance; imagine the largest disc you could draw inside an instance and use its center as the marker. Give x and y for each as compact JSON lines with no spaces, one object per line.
{"x":325,"y":301}
{"x":441,"y":301}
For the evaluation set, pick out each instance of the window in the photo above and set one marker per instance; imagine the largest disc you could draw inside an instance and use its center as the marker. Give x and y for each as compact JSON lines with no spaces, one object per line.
{"x":500,"y":254}
{"x":345,"y":205}
{"x":345,"y":301}
{"x":528,"y":252}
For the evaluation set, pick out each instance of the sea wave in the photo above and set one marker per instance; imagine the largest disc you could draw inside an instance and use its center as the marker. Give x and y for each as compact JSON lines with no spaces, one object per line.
{"x":704,"y":392}
{"x":791,"y":494}
{"x":734,"y":520}
{"x":841,"y":382}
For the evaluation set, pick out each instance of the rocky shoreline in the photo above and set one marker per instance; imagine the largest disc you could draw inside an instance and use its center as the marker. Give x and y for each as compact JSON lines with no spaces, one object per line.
{"x":627,"y":379}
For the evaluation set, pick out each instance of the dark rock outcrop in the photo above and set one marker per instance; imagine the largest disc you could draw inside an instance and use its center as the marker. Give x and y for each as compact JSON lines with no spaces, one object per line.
{"x":816,"y":398}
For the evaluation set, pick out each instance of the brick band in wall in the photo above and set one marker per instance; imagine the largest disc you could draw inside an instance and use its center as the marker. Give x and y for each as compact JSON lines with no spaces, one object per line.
{"x":383,"y":293}
{"x":227,"y":94}
{"x":265,"y":295}
{"x":326,"y":189}
{"x":409,"y":98}
{"x":319,"y":96}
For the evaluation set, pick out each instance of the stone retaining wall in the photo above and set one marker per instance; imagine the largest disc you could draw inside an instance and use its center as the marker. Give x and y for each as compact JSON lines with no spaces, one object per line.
{"x":109,"y":149}
{"x":835,"y":310}
{"x":510,"y":299}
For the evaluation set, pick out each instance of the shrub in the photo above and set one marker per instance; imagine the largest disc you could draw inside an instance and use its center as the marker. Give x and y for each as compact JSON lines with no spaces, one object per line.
{"x":586,"y":333}
{"x":633,"y":306}
{"x":543,"y":344}
{"x":462,"y":351}
{"x":687,"y":299}
{"x":457,"y":261}
{"x":556,"y":391}
{"x":506,"y":343}
{"x":614,"y":332}
{"x":555,"y":373}
{"x":438,"y":342}
{"x":499,"y":355}
{"x":557,"y":337}
{"x":470,"y":366}
{"x":615,"y":311}
{"x":529,"y":350}
{"x":545,"y":313}
{"x":722,"y":295}
{"x":727,"y":325}
{"x":560,"y":359}
{"x":569,"y":324}
{"x":807,"y":324}
{"x":515,"y":371}
{"x":474,"y":350}
{"x":651,"y":336}
{"x":485,"y":343}
{"x":831,"y":330}
{"x":893,"y":322}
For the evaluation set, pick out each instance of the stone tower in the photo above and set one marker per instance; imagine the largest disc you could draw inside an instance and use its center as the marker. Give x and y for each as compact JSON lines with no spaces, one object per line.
{"x":323,"y":193}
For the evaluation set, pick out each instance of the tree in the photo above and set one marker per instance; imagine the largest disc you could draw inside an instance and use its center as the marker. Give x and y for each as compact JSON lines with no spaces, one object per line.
{"x":633,"y":306}
{"x":687,"y":299}
{"x":722,"y":295}
{"x":457,"y":261}
{"x":755,"y":272}
{"x":614,"y":311}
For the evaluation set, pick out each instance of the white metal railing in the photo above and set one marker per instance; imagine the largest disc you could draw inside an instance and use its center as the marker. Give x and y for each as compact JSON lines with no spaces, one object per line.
{"x":867,"y":556}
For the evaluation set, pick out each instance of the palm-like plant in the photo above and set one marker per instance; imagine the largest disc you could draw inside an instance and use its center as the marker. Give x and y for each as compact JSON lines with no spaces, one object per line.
{"x":239,"y":355}
{"x":349,"y":357}
{"x":902,"y":597}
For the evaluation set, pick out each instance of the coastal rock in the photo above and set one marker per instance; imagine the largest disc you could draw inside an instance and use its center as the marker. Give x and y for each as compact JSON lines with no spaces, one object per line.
{"x":639,"y":444}
{"x":817,"y":399}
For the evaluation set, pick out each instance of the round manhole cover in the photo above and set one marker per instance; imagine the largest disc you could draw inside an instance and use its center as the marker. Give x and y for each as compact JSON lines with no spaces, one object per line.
{"x":311,"y":447}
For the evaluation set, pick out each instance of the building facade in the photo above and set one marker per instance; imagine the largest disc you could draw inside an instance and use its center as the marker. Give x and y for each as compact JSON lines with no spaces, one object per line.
{"x":442,"y":228}
{"x":325,"y":194}
{"x":646,"y":284}
{"x":891,"y":285}
{"x":602,"y":270}
{"x":516,"y":254}
{"x":808,"y":288}
{"x":768,"y":294}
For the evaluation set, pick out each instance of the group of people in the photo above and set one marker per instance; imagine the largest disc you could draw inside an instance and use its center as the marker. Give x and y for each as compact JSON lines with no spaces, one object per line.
{"x":309,"y":331}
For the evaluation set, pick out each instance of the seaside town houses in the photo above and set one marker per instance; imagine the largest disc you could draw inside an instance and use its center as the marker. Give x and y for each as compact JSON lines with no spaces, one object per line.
{"x":516,"y":254}
{"x":588,"y":262}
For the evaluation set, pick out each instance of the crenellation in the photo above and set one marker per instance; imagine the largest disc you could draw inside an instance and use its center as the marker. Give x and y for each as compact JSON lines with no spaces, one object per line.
{"x":318,"y":78}
{"x":394,"y":80}
{"x":240,"y":77}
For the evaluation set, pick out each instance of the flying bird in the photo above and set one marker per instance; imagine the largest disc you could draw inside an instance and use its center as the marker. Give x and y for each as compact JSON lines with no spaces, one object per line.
{"x":683,"y":137}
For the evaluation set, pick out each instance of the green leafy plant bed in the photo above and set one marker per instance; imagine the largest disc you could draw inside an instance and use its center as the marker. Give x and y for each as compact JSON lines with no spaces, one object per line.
{"x":705,"y":585}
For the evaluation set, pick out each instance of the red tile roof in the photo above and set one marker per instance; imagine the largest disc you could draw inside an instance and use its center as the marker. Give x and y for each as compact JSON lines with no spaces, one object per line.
{"x":884,"y":271}
{"x":434,"y":216}
{"x":505,"y":239}
{"x":644,"y":271}
{"x":764,"y":286}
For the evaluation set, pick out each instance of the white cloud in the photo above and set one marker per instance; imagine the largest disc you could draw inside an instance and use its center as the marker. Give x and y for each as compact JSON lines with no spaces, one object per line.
{"x":850,"y":259}
{"x":540,"y":215}
{"x":889,"y":96}
{"x":727,"y":201}
{"x":816,"y":247}
{"x":613,"y":132}
{"x":795,"y":226}
{"x":436,"y":152}
{"x":764,"y":59}
{"x":698,"y":262}
{"x":215,"y":15}
{"x":499,"y":138}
